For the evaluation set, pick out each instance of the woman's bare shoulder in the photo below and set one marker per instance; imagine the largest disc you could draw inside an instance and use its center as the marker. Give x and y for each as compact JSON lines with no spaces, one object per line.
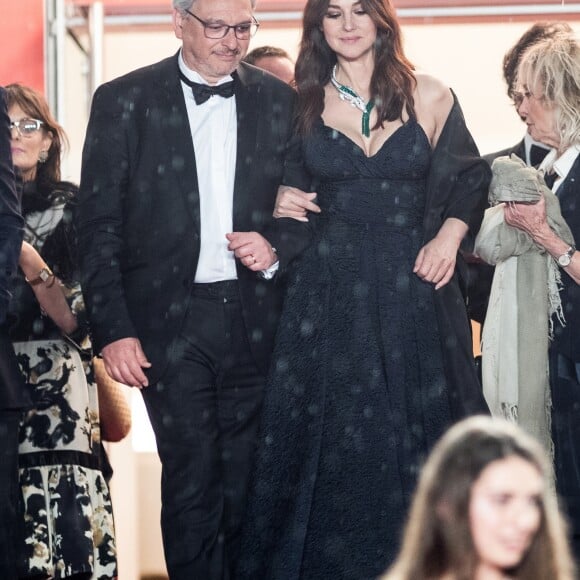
{"x":433,"y":101}
{"x":432,"y":92}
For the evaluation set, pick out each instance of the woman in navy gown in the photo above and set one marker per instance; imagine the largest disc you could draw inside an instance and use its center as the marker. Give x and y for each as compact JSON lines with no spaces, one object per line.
{"x":373,"y":358}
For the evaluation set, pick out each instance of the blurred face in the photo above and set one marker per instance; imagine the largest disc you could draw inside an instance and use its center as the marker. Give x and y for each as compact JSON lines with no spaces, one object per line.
{"x":539,"y":116}
{"x":213,"y":58}
{"x":348,"y":29}
{"x":504,"y":512}
{"x":26,"y":145}
{"x":279,"y":66}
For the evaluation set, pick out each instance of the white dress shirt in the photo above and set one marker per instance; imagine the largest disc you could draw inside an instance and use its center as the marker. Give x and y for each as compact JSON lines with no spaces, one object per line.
{"x":214,"y":131}
{"x":560,"y":165}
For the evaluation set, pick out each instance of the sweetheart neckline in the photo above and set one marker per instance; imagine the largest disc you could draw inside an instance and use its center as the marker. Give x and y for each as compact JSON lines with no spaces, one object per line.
{"x":387,"y":140}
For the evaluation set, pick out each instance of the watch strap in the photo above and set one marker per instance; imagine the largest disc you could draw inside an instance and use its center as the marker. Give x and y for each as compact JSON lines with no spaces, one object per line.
{"x":43,"y":275}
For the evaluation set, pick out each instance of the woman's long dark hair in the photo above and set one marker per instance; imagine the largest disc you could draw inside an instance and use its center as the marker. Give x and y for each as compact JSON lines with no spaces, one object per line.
{"x":392,"y":82}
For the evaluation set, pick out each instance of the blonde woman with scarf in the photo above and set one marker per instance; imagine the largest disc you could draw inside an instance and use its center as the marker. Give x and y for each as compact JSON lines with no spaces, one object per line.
{"x":523,"y":300}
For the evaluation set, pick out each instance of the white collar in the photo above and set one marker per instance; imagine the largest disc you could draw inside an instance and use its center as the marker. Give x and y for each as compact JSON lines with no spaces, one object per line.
{"x":563,"y":164}
{"x":548,"y":162}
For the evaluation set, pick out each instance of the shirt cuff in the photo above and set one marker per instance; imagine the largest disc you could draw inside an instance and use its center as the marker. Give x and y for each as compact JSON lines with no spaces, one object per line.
{"x":271,"y":271}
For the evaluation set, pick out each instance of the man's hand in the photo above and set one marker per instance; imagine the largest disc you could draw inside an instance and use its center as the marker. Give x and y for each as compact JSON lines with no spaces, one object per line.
{"x":294,"y":203}
{"x":252,"y":249}
{"x":125,"y":360}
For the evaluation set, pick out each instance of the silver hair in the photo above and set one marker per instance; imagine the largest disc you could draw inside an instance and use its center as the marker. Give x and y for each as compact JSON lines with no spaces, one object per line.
{"x":552,"y":69}
{"x":183,"y":5}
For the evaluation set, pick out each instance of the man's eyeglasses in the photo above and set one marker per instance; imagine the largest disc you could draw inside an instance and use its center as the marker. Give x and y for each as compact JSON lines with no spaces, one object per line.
{"x":26,"y":127}
{"x":215,"y":30}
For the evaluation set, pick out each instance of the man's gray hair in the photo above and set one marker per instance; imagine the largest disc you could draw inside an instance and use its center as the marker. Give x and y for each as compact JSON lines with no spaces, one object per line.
{"x":183,"y":5}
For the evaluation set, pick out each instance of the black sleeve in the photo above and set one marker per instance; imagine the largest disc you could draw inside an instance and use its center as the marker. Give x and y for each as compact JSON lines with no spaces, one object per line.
{"x":458,"y":180}
{"x":291,"y":237}
{"x":11,"y":222}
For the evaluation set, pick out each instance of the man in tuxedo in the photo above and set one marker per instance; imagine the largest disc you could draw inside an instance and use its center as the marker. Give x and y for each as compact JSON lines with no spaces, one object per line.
{"x":12,"y":398}
{"x":528,"y":149}
{"x":181,"y":160}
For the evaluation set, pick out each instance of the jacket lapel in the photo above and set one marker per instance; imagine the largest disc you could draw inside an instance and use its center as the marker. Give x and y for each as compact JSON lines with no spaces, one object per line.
{"x":248,"y":119}
{"x":177,"y":137}
{"x":567,"y":195}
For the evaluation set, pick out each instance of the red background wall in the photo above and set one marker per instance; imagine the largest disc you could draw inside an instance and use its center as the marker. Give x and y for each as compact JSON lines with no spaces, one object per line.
{"x":22,"y":34}
{"x":22,"y":27}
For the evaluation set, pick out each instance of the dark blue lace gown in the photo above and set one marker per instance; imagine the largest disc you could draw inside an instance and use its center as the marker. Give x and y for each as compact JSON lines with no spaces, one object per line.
{"x":357,"y":393}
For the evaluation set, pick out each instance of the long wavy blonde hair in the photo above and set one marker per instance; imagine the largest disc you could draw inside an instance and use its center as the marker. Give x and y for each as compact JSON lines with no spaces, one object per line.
{"x":550,"y":70}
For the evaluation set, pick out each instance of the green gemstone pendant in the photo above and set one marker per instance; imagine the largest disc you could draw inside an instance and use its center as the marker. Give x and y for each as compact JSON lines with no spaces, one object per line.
{"x":352,"y":97}
{"x":366,"y":130}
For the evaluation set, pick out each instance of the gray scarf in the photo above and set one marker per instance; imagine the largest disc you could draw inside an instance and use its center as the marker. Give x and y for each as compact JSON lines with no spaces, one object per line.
{"x":524,"y":298}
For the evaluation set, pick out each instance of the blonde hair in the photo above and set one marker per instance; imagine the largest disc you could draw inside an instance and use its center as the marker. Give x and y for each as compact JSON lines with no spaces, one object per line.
{"x":437,"y":540}
{"x":551,"y":68}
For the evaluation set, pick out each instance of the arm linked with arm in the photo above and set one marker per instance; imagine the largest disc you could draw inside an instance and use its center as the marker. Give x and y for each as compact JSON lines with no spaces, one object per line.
{"x":288,"y":235}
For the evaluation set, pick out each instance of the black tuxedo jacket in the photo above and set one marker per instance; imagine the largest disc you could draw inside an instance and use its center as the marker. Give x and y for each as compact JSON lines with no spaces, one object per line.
{"x":11,"y":232}
{"x":139,"y":215}
{"x":567,"y":338}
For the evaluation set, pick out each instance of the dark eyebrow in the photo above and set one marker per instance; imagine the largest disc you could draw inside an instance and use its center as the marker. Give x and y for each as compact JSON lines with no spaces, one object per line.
{"x":222,"y":23}
{"x":339,"y":8}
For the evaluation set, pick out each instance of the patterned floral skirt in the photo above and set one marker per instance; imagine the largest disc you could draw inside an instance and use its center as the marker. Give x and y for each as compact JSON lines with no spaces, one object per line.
{"x":68,"y":517}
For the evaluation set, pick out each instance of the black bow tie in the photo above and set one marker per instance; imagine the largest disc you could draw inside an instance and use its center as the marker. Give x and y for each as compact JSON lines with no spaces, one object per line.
{"x":201,"y":93}
{"x":537,"y":155}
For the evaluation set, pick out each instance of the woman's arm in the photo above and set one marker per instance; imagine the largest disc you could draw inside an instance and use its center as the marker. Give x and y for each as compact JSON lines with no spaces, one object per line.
{"x":532,"y":219}
{"x":47,"y":289}
{"x":436,"y":260}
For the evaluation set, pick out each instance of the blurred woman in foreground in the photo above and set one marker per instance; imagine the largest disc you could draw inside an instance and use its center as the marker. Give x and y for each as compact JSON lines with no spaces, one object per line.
{"x":484,"y":510}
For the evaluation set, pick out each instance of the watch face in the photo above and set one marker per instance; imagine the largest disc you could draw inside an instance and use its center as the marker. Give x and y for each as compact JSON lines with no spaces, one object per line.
{"x":44,"y":274}
{"x":564,"y":260}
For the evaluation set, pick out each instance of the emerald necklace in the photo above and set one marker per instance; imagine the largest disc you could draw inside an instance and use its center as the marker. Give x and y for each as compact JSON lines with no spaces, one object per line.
{"x":350,"y":96}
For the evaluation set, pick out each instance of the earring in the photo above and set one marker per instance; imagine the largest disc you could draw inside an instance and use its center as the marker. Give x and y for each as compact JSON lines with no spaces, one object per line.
{"x":43,"y":156}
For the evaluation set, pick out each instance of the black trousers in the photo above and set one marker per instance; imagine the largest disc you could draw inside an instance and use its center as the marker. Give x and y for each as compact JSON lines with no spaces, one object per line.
{"x":9,"y":513}
{"x":205,"y":414}
{"x":565,"y":389}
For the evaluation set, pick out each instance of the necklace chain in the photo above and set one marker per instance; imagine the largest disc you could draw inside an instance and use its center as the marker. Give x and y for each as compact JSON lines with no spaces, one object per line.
{"x":349,"y":95}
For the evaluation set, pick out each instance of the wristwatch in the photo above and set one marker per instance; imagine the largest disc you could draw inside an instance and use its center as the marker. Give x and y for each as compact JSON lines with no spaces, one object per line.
{"x":565,"y":259}
{"x":43,"y":276}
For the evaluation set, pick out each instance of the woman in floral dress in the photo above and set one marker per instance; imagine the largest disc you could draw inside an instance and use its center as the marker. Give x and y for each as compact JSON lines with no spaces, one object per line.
{"x":67,"y":521}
